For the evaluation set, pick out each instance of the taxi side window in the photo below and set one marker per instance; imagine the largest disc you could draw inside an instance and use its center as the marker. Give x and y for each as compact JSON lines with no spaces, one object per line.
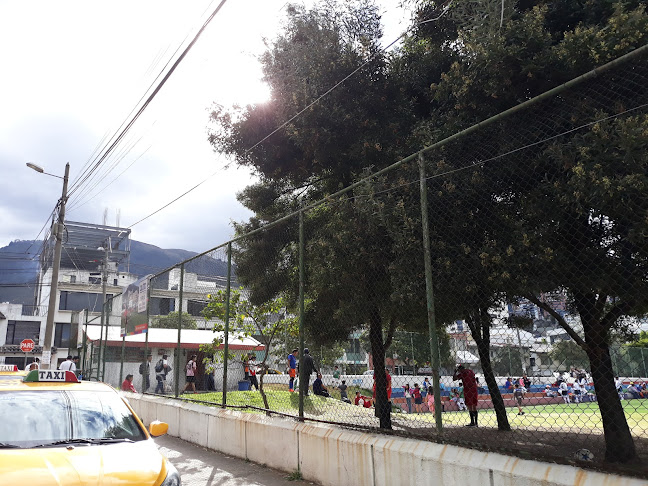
{"x":99,"y":415}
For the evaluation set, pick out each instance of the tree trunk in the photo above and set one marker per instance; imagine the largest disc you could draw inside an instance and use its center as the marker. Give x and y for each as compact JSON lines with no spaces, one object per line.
{"x":262,"y":391}
{"x":383,"y":407}
{"x":619,"y":445}
{"x":482,"y":339}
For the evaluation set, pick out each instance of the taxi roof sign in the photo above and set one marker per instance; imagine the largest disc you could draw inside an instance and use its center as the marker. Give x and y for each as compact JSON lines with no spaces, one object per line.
{"x":8,"y":367}
{"x":42,"y":376}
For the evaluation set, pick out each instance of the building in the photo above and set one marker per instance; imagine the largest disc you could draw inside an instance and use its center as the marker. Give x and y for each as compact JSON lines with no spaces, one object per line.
{"x":89,"y":251}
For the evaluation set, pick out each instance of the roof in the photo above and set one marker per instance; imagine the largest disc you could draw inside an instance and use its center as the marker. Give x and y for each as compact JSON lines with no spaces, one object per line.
{"x":2,"y":316}
{"x":168,"y":338}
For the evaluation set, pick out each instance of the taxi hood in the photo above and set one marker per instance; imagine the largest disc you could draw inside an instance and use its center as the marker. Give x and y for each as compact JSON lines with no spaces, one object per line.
{"x":127,"y":463}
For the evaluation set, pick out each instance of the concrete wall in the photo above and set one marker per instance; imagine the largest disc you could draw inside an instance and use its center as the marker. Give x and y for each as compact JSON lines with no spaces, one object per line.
{"x":334,"y":456}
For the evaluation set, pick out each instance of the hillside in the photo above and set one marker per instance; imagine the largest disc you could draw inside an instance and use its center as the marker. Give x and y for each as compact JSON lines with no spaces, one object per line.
{"x":19,"y":266}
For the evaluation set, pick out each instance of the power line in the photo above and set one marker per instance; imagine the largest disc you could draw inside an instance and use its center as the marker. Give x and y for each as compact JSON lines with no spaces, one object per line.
{"x":150,"y":98}
{"x":326,"y":93}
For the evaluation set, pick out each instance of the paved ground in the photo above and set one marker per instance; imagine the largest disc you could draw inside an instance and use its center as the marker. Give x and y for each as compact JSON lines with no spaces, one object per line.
{"x":202,"y":467}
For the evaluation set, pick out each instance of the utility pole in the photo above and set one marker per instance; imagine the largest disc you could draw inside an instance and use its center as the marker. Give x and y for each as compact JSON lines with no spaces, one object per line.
{"x":105,"y":317}
{"x":56,"y":265}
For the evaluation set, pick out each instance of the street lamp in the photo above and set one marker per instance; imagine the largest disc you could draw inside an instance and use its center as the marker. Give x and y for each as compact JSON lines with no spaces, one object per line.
{"x":56,"y":264}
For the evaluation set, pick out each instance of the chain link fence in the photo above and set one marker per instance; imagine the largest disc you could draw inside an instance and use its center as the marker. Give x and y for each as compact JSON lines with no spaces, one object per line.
{"x":494,"y":281}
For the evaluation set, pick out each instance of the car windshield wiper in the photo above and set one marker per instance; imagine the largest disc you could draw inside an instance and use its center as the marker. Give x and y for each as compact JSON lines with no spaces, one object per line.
{"x":8,"y":446}
{"x":102,"y":440}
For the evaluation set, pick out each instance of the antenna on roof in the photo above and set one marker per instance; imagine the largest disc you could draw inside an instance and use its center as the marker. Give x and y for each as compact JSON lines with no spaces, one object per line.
{"x":105,"y":217}
{"x":118,"y":217}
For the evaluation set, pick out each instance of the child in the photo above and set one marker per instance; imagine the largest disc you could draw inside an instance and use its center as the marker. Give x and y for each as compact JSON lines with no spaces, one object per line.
{"x":564,"y":391}
{"x":461,"y":403}
{"x":418,"y":398}
{"x":518,"y":394}
{"x":408,"y":397}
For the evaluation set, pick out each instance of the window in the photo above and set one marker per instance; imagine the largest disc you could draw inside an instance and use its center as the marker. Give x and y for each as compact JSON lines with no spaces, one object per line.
{"x":115,"y":282}
{"x":94,"y":280}
{"x":19,"y":330}
{"x":76,"y":301}
{"x":161,"y":307}
{"x":532,"y":362}
{"x":62,"y":335}
{"x":72,"y":278}
{"x":195,"y":308}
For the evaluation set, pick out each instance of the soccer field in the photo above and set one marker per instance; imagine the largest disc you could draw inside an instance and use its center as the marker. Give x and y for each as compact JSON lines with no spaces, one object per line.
{"x":583,"y":417}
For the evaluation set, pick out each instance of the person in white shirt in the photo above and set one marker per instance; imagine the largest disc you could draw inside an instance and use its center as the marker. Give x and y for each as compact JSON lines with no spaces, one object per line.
{"x":564,"y":391}
{"x":68,"y":365}
{"x":577,"y":391}
{"x":618,"y":384}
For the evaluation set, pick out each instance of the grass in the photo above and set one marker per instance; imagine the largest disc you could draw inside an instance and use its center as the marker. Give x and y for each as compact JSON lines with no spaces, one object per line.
{"x":296,"y":475}
{"x":582,"y":417}
{"x":564,"y":417}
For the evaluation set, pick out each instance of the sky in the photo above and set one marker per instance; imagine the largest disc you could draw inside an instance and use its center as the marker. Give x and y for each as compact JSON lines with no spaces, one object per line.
{"x":73,"y":71}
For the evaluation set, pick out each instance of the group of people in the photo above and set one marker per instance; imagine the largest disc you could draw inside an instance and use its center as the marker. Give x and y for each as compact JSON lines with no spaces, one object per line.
{"x":634,"y":389}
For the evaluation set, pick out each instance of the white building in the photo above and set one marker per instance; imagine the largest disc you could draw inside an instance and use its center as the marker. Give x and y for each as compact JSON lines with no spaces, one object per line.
{"x":86,"y":248}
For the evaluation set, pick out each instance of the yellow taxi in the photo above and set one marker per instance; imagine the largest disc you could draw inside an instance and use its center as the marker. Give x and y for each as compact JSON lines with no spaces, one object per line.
{"x":56,"y":430}
{"x":10,"y":372}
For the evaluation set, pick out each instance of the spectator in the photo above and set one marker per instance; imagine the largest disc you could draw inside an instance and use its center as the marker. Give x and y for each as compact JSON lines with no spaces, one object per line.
{"x":549,"y":392}
{"x":408,"y":397}
{"x":336,"y":376}
{"x":309,"y":367}
{"x":508,"y":385}
{"x":633,"y":391}
{"x":343,"y":392}
{"x":210,"y":370}
{"x":480,"y":389}
{"x":190,"y":371}
{"x":145,"y":371}
{"x":430,"y":400}
{"x":162,"y":369}
{"x":33,"y":365}
{"x":362,"y":401}
{"x":564,"y":391}
{"x":518,"y":394}
{"x":389,"y":384}
{"x":426,"y":384}
{"x":418,"y":398}
{"x":127,"y":384}
{"x":319,"y":388}
{"x":292,"y":369}
{"x":526,"y":382}
{"x":619,"y":387}
{"x":577,"y":392}
{"x":252,"y":371}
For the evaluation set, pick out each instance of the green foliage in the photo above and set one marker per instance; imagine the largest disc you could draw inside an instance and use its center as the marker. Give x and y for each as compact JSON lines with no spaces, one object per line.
{"x":642,"y":341}
{"x":507,"y":361}
{"x":170,"y":321}
{"x":568,"y":354}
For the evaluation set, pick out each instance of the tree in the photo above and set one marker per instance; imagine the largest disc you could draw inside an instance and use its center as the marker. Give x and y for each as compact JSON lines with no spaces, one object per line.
{"x":568,"y":354}
{"x":268,"y":321}
{"x":557,"y":214}
{"x":170,"y":321}
{"x":326,"y":147}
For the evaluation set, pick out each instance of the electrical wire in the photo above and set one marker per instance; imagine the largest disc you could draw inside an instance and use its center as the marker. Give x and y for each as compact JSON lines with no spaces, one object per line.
{"x":326,"y":93}
{"x":124,"y":129}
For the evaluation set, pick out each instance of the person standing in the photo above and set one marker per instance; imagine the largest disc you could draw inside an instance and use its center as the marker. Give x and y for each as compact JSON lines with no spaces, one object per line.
{"x":564,"y":391}
{"x":518,"y":395}
{"x":145,"y":371}
{"x":309,"y":367}
{"x":418,"y":398}
{"x":343,"y":392}
{"x":408,"y":397}
{"x":526,"y":382}
{"x":461,"y":402}
{"x":618,"y":384}
{"x":292,"y":369}
{"x":68,"y":365}
{"x":127,"y":384}
{"x":190,"y":371}
{"x":252,"y":366}
{"x":470,"y":392}
{"x":162,"y":369}
{"x":576,"y":388}
{"x":336,"y":376}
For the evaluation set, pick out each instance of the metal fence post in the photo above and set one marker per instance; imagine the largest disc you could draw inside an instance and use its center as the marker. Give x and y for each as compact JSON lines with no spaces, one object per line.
{"x":121,"y":361}
{"x":434,"y":341}
{"x":147,"y":367}
{"x":303,"y":383}
{"x":177,"y":360}
{"x":85,"y":345}
{"x":227,"y":318}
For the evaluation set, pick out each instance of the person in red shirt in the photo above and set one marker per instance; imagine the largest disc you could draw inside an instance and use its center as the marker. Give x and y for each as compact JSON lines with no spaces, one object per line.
{"x":470,"y":391}
{"x":127,"y":385}
{"x":362,"y":401}
{"x":389,"y":385}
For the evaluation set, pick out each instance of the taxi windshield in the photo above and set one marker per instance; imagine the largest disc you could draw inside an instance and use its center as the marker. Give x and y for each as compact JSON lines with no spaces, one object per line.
{"x":38,"y":418}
